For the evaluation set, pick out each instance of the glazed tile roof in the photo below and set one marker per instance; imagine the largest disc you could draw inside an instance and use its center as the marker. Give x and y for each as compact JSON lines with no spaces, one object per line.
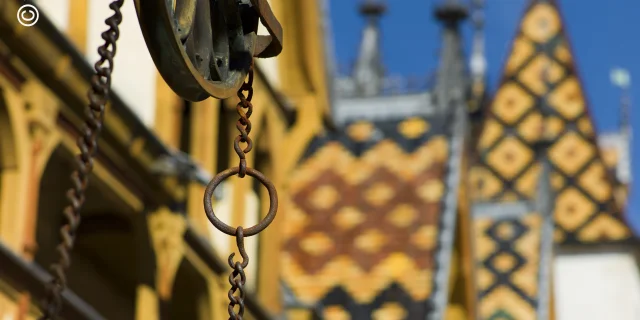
{"x":540,"y":89}
{"x":363,"y":221}
{"x":585,"y":210}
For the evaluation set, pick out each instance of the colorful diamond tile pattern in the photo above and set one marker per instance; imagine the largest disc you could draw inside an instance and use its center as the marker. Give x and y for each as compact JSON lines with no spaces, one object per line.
{"x":507,"y":253}
{"x":362,"y":217}
{"x":508,"y":168}
{"x":540,"y":89}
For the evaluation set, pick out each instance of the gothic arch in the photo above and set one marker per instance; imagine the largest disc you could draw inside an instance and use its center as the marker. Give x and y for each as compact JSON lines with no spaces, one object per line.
{"x":103,"y":257}
{"x":13,"y":167}
{"x":190,"y":295}
{"x":8,"y":159}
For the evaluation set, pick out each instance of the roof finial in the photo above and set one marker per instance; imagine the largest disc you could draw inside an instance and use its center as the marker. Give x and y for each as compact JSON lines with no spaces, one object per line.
{"x":372,"y":8}
{"x":621,"y":79}
{"x":451,"y":12}
{"x":478,"y":61}
{"x":451,"y":81}
{"x":369,"y":71}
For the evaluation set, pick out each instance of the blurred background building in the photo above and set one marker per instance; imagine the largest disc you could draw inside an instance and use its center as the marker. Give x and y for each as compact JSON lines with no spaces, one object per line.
{"x":400,"y":198}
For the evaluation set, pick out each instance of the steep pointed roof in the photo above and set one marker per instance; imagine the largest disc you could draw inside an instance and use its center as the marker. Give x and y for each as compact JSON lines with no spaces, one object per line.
{"x":364,"y":222}
{"x":540,"y":99}
{"x":541,"y":88}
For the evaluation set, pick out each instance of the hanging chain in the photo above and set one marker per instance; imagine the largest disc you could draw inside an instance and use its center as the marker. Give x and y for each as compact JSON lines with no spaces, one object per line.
{"x":244,"y":124}
{"x":237,"y":278}
{"x":88,"y":145}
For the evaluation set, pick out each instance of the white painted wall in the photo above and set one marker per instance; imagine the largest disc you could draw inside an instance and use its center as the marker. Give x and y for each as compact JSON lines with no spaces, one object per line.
{"x":222,"y":208}
{"x":598,"y":286}
{"x":56,"y":10}
{"x":269,"y":66}
{"x":222,"y":242}
{"x":620,"y":141}
{"x":251,"y":215}
{"x":134,"y":77}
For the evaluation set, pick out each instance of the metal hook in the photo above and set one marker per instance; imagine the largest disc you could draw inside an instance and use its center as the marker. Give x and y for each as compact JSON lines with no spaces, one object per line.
{"x":241,"y":250}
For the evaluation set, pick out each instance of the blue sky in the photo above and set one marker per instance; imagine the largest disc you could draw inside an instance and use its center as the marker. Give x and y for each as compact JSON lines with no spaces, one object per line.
{"x":602,"y":37}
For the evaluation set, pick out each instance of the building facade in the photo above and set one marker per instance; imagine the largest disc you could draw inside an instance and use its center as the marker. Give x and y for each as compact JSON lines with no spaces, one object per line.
{"x":433,"y":202}
{"x":145,"y":249}
{"x":455,"y":203}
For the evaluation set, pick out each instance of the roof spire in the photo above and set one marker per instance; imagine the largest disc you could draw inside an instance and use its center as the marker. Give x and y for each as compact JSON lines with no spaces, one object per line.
{"x":449,"y":97}
{"x":450,"y":83}
{"x":369,"y":72}
{"x":478,"y":61}
{"x":621,"y":79}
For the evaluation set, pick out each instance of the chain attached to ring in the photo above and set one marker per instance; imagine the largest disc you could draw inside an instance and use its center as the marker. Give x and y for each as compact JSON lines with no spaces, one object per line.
{"x":237,"y":278}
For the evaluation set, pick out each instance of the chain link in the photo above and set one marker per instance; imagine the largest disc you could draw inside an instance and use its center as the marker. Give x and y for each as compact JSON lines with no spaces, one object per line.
{"x":244,"y":124}
{"x":88,"y":145}
{"x":237,"y":278}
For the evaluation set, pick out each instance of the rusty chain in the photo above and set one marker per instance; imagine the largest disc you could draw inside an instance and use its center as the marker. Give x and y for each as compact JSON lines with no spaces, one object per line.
{"x":237,"y":278}
{"x":88,"y":145}
{"x":244,"y":124}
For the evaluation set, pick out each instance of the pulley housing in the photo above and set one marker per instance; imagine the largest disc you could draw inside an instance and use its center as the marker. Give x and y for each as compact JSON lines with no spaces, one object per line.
{"x":204,"y":48}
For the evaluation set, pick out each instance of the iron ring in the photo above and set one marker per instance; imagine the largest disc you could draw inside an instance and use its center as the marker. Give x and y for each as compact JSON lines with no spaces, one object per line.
{"x":273,"y":202}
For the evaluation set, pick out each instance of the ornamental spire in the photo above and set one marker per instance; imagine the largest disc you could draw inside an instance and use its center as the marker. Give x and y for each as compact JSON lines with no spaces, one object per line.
{"x":451,"y":80}
{"x":478,"y":61}
{"x":369,"y":72}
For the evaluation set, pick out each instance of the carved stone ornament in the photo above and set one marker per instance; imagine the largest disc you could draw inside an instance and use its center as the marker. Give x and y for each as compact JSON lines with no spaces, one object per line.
{"x":167,"y":231}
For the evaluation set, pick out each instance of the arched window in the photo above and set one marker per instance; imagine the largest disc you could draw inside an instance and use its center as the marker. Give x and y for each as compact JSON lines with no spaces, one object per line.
{"x":12,"y":169}
{"x":8,"y":161}
{"x":103,"y":261}
{"x":13,"y":159}
{"x":190,"y":296}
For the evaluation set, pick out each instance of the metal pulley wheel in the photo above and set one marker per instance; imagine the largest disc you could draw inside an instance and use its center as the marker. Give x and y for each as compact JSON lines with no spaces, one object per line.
{"x":205,"y":48}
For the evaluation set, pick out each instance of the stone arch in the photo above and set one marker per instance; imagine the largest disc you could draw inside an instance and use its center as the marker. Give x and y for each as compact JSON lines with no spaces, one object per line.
{"x":104,"y":261}
{"x":190,"y":295}
{"x":14,"y":158}
{"x":8,"y":157}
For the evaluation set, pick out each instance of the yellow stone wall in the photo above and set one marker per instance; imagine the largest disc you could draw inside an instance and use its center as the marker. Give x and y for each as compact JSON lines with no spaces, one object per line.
{"x":29,"y":132}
